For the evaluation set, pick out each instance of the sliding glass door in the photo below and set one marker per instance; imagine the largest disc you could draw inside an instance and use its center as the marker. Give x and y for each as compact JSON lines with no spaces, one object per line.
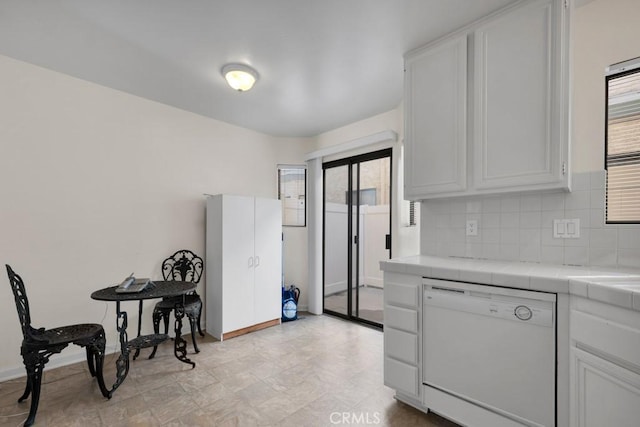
{"x":357,"y":235}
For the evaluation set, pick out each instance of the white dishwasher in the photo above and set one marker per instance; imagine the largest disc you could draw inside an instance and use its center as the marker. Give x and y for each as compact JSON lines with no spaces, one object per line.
{"x":491,"y":350}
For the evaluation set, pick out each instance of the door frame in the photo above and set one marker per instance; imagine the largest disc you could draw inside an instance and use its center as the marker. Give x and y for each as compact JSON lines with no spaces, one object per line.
{"x":350,"y":162}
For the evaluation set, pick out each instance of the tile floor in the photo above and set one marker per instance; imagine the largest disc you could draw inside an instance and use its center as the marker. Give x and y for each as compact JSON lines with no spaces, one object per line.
{"x":311,"y":372}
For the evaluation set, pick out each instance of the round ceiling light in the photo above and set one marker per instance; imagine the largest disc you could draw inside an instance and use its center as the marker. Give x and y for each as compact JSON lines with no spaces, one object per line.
{"x":240,"y":77}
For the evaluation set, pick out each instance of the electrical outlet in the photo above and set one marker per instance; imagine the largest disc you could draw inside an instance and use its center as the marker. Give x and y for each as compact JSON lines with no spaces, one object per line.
{"x":472,"y":227}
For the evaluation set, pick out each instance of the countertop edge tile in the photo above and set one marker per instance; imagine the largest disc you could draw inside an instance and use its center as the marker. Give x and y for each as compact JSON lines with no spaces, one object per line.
{"x":596,"y":283}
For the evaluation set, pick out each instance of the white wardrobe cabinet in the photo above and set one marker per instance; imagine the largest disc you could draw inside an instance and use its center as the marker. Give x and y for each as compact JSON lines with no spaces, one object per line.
{"x":510,"y":130}
{"x":243,"y":264}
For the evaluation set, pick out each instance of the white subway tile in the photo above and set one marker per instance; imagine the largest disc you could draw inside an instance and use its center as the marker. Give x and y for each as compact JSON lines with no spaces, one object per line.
{"x":509,"y":252}
{"x":473,"y":250}
{"x":530,"y":237}
{"x":509,"y":220}
{"x":597,"y":218}
{"x":629,"y":238}
{"x":581,"y":181}
{"x":490,"y":220}
{"x":490,"y":251}
{"x":597,"y":179}
{"x":509,"y":204}
{"x":439,"y":206}
{"x":490,"y":235}
{"x":578,"y":255}
{"x":530,"y":202}
{"x":509,"y":236}
{"x":584,"y":215}
{"x":553,"y":201}
{"x":458,"y":206}
{"x":629,"y":257}
{"x":578,"y":200}
{"x":530,"y":253}
{"x":490,"y":204}
{"x":547,"y":239}
{"x":597,"y":198}
{"x":443,"y":221}
{"x":549,"y":216}
{"x":606,"y":238}
{"x":474,"y":206}
{"x":603,"y":257}
{"x":583,"y":240}
{"x":457,"y":235}
{"x":458,"y":220}
{"x":530,"y":219}
{"x":552,"y":254}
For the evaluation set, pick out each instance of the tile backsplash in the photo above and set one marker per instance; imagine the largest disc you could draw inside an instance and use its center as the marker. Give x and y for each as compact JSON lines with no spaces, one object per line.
{"x":519,"y":227}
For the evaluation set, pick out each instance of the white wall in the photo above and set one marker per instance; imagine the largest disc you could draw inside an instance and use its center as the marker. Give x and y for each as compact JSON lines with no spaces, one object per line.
{"x":96,"y":183}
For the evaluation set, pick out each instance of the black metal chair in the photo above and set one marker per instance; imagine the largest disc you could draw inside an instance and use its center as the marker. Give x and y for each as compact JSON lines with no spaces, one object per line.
{"x":39,"y":344}
{"x":184,"y":266}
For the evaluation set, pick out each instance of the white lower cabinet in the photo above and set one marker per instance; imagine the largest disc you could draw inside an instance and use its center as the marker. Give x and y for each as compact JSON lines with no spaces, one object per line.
{"x":605,"y":365}
{"x":402,"y":337}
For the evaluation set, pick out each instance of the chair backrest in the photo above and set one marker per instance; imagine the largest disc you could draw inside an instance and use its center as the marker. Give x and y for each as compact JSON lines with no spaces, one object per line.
{"x":22,"y":302}
{"x":184,"y":266}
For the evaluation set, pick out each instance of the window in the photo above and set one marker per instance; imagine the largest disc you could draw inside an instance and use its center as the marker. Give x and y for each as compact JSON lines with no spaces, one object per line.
{"x":622,"y":149}
{"x":292,"y":182}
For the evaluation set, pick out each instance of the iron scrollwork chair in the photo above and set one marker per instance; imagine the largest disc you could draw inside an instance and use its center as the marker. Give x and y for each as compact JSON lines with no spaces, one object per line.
{"x":40,"y":344}
{"x":184,"y":266}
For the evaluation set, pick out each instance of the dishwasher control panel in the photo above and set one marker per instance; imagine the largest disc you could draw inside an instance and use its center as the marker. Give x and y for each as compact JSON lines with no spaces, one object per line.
{"x":504,"y":303}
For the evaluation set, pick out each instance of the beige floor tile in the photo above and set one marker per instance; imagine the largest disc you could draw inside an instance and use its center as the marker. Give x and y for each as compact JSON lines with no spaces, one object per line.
{"x":311,"y":372}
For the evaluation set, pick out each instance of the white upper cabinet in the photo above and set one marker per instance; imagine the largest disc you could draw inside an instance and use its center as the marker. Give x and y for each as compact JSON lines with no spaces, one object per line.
{"x":517,"y":137}
{"x":436,"y":99}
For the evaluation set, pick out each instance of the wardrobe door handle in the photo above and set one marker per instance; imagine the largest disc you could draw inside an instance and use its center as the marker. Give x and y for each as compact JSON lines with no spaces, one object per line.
{"x":250,"y":261}
{"x":257,"y":260}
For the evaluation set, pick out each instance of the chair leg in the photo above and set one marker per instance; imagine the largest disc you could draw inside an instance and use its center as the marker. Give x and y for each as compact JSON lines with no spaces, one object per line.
{"x":35,"y":365}
{"x":90,"y":361}
{"x":165,"y":318}
{"x":198,"y":320}
{"x":27,"y":389}
{"x":192,"y":322}
{"x":95,"y":359}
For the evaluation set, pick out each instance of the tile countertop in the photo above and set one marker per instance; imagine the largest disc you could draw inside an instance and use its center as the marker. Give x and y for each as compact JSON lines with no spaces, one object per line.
{"x":617,"y":286}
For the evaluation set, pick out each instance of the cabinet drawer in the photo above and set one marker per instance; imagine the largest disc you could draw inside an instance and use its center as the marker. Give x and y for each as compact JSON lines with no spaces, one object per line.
{"x":401,"y":345}
{"x":401,"y":318}
{"x":401,"y":294}
{"x":401,"y":376}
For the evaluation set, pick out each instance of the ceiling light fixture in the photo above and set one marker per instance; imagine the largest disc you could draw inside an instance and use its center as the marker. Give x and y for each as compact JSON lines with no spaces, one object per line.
{"x":240,"y":77}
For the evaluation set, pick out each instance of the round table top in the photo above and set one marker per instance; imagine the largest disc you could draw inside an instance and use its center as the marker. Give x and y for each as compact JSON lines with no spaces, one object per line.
{"x":162,"y":289}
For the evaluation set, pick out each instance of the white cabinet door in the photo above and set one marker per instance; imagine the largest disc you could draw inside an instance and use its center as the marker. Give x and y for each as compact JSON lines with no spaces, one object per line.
{"x":520,"y":137}
{"x":268,"y":259}
{"x":238,"y":262}
{"x":605,"y":394}
{"x":436,"y":125}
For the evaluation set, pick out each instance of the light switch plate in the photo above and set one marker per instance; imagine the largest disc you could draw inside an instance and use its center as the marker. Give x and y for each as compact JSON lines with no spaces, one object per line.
{"x":566,"y":228}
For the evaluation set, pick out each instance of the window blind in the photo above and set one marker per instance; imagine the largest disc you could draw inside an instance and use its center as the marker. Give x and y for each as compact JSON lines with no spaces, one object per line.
{"x":623,"y":147}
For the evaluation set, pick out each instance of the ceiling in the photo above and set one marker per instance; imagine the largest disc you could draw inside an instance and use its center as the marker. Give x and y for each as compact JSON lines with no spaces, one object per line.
{"x":322,"y":63}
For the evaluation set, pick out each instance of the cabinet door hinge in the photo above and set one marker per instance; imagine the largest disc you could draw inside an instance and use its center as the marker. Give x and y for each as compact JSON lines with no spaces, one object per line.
{"x":564,"y":168}
{"x":566,"y":4}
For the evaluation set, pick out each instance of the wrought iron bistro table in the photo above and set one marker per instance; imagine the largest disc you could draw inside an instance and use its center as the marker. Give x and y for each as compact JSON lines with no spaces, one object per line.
{"x":160,"y":290}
